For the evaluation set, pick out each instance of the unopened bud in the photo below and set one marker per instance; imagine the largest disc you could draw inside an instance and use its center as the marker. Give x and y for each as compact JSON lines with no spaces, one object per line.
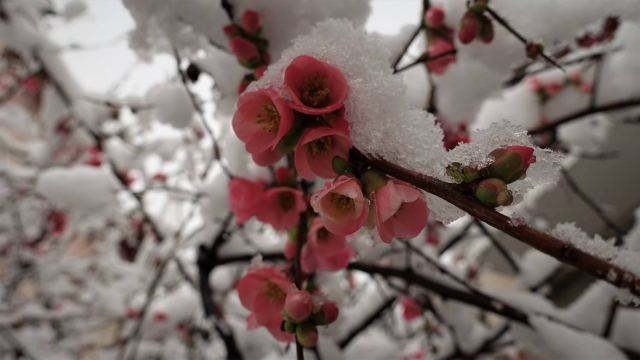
{"x":251,"y":22}
{"x":289,"y":326}
{"x":298,"y":305}
{"x":462,"y":174}
{"x":307,"y":335}
{"x":232,"y":31}
{"x":341,"y":166}
{"x":486,"y":33}
{"x":493,"y":192}
{"x":434,"y":16}
{"x":327,"y":314}
{"x":511,"y":162}
{"x":534,"y":50}
{"x":470,"y":27}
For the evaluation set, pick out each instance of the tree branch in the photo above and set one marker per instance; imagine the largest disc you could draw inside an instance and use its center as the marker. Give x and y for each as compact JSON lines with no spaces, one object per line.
{"x":559,"y":249}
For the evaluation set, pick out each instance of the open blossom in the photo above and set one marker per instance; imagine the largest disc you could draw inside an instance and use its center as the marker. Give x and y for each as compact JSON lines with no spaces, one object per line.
{"x":315,"y":86}
{"x":439,"y":46}
{"x":342,"y":207}
{"x":316,"y":149}
{"x":400,"y":210}
{"x":260,"y":121}
{"x":324,"y":250}
{"x":244,"y":198}
{"x":281,"y":206}
{"x":245,"y":51}
{"x":263,"y":293}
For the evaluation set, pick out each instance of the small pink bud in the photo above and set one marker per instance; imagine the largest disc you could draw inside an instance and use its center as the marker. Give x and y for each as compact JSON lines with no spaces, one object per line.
{"x":251,"y":22}
{"x":410,"y":309}
{"x":470,"y":26}
{"x":159,"y":177}
{"x":298,"y":305}
{"x":245,"y":51}
{"x":132,"y":313}
{"x":435,"y":16}
{"x":330,"y":312}
{"x":586,"y":88}
{"x":160,"y":316}
{"x":486,"y":33}
{"x":94,"y":161}
{"x":307,"y":335}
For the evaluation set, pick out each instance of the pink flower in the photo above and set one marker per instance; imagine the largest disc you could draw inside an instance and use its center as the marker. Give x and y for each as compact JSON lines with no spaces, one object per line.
{"x":323,"y":241}
{"x":263,"y":293}
{"x":281,"y":206}
{"x":329,"y":312}
{"x":244,"y":198}
{"x":260,"y":121}
{"x":250,"y":22}
{"x":313,"y":261}
{"x":57,"y":222}
{"x":342,"y":207}
{"x":315,"y":86}
{"x":470,"y":26}
{"x":298,"y":305}
{"x":434,"y":16}
{"x":400,"y":210}
{"x":436,"y":47}
{"x":245,"y":51}
{"x":410,"y":308}
{"x":316,"y":149}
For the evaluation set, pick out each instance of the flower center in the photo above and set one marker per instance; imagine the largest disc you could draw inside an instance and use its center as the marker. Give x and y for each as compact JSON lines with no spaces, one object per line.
{"x":286,"y":200}
{"x":315,"y":91}
{"x":342,"y":202}
{"x":273,"y":292}
{"x":320,"y":146}
{"x":269,"y":118}
{"x":322,"y":234}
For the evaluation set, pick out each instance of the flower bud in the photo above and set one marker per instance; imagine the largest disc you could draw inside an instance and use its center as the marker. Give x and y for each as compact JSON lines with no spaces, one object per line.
{"x":251,"y":22}
{"x":298,"y":305}
{"x":462,"y":174}
{"x":511,"y":162}
{"x":486,"y":32}
{"x":289,"y":326}
{"x":327,"y":314}
{"x":232,"y":31}
{"x":341,"y":166}
{"x":534,"y":50}
{"x":307,"y":335}
{"x":493,"y":192}
{"x":434,"y":16}
{"x":470,"y":26}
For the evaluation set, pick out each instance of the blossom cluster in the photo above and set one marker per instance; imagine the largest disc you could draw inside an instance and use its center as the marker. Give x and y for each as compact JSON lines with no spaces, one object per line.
{"x":305,"y":121}
{"x":475,"y":24}
{"x":546,"y":91}
{"x":249,"y":47}
{"x":276,"y":304}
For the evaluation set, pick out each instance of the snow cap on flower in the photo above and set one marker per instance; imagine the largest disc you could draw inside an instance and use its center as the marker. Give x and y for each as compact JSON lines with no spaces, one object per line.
{"x":315,"y":87}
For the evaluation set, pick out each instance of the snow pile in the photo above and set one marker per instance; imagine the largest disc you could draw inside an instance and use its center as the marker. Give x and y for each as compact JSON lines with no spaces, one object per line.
{"x":566,"y":343}
{"x":82,"y":188}
{"x":172,"y":104}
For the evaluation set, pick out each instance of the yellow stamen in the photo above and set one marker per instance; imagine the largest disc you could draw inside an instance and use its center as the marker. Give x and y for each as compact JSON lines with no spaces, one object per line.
{"x":315,"y":91}
{"x":269,"y":118}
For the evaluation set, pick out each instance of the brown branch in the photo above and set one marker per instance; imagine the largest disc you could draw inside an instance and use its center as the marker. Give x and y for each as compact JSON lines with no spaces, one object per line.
{"x":559,"y":249}
{"x":406,"y":46}
{"x":505,"y":24}
{"x":425,"y":58}
{"x":613,"y":106}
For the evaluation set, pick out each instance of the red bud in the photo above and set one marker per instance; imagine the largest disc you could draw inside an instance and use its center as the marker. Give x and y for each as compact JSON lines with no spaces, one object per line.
{"x":470,"y":26}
